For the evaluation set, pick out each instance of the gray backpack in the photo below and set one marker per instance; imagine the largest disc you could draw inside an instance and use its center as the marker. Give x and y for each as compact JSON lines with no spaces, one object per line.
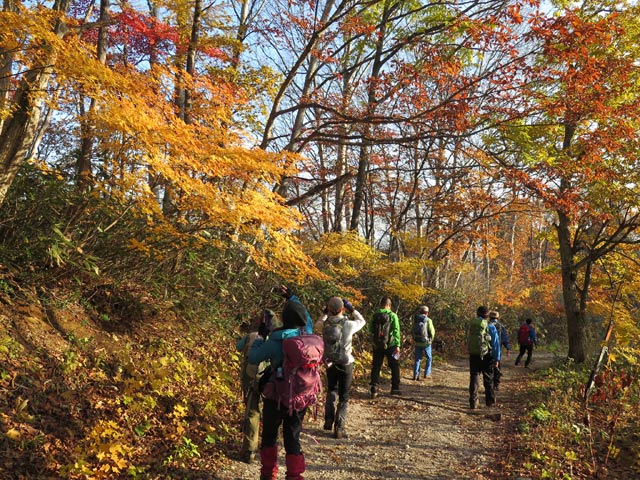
{"x":420,"y":331}
{"x":334,"y":349}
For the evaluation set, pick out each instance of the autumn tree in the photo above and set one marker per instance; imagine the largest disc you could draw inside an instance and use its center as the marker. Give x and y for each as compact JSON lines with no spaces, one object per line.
{"x":577,"y":150}
{"x":386,"y":74}
{"x":25,"y":106}
{"x":141,"y":132}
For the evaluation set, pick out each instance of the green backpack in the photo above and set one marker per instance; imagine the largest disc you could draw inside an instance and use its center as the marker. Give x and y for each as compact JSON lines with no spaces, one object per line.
{"x":479,"y":339}
{"x":251,"y":372}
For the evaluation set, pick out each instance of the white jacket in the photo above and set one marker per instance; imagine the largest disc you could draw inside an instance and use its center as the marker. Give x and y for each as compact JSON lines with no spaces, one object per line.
{"x":351,"y":326}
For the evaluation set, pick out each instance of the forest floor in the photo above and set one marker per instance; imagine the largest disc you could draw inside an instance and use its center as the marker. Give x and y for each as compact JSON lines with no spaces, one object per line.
{"x":427,"y":433}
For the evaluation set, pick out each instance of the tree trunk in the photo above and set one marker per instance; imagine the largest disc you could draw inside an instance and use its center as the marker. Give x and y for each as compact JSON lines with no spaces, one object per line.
{"x":87,"y":125}
{"x":571,"y":297}
{"x":361,"y":181}
{"x":6,"y":64}
{"x":20,"y":128}
{"x":574,"y":308}
{"x":183,"y":99}
{"x":342,"y":157}
{"x":372,"y":100}
{"x":298,"y":122}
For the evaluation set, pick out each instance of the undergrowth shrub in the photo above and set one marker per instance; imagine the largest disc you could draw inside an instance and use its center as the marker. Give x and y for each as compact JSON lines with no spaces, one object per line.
{"x":569,"y":438}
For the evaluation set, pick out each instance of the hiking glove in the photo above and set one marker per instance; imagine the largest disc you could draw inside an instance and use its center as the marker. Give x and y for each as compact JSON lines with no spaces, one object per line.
{"x":347,"y":305}
{"x":286,"y":292}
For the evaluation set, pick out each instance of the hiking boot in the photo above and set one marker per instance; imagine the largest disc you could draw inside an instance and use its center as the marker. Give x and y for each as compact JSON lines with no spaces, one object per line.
{"x":269,"y":461}
{"x":340,"y":433}
{"x":373,"y":393}
{"x":416,"y":377}
{"x":396,"y":392}
{"x":328,"y":426}
{"x":295,"y":467}
{"x":474,"y":404}
{"x":248,"y":457}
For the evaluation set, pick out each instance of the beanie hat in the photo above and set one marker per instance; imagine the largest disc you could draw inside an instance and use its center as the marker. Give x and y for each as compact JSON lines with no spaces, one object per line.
{"x":482,"y":311}
{"x":294,"y":315}
{"x":335,"y":305}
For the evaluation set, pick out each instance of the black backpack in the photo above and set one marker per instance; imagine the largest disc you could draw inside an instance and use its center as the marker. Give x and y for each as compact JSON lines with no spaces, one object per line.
{"x":334,"y":351}
{"x":380,"y":327}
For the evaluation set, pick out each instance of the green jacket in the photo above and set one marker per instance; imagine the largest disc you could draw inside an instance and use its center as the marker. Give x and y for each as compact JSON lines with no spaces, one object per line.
{"x":394,"y":327}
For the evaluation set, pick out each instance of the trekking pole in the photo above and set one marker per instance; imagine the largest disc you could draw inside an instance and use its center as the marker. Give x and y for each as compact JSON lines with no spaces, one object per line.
{"x":603,"y":351}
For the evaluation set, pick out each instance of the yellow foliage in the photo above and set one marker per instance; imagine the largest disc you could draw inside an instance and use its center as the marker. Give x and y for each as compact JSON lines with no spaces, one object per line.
{"x":346,"y":247}
{"x":13,"y":434}
{"x":403,"y":278}
{"x":180,"y":411}
{"x":627,"y":328}
{"x":348,"y":257}
{"x":107,"y":443}
{"x":344,"y":255}
{"x":409,"y":292}
{"x":221,"y":184}
{"x":282,"y":250}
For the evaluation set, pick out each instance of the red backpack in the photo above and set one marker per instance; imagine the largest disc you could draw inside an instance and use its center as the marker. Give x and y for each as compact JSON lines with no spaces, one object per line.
{"x":300,"y":384}
{"x":523,"y":334}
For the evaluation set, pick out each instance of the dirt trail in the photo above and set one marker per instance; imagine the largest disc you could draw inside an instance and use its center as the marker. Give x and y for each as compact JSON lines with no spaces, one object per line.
{"x":427,"y":433}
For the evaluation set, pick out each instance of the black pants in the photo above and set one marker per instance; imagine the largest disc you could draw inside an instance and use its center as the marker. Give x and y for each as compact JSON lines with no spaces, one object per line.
{"x":394,"y":365}
{"x":339,"y":378}
{"x":272,"y":418}
{"x":529,"y":350}
{"x":481,"y":366}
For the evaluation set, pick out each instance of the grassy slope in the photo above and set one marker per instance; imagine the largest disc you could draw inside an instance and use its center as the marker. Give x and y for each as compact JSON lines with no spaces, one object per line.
{"x":88,"y":394}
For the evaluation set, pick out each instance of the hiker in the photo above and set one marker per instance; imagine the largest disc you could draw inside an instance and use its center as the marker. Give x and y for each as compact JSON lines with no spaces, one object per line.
{"x":337,"y":332}
{"x":526,"y":339}
{"x":483,"y":346}
{"x":274,"y":412}
{"x":250,"y":375}
{"x":423,"y":333}
{"x":286,"y":293}
{"x":503,"y":336}
{"x":385,"y":329}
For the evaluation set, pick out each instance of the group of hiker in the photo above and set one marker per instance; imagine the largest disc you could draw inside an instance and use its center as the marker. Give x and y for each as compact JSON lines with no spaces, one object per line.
{"x":281,"y":367}
{"x":485,"y":338}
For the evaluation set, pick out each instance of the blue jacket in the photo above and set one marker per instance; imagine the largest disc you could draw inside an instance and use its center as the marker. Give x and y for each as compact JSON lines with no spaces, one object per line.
{"x":532,"y":335}
{"x":502,"y":333}
{"x":496,"y":352}
{"x":271,"y":349}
